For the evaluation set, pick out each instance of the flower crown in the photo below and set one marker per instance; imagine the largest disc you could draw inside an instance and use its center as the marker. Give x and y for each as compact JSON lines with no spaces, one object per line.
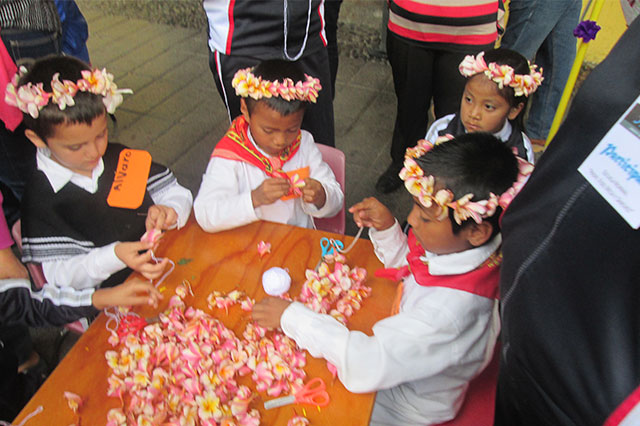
{"x":248,"y":85}
{"x":502,"y":75}
{"x":423,"y":188}
{"x":31,"y":98}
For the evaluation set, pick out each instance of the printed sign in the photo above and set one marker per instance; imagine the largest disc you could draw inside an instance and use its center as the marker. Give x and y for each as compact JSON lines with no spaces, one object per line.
{"x":613,"y":168}
{"x":130,"y":181}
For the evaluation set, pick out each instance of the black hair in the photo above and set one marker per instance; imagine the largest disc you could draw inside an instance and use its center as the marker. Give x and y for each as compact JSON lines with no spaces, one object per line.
{"x":278,"y":70}
{"x":520,"y":65}
{"x":476,"y":163}
{"x":87,"y":105}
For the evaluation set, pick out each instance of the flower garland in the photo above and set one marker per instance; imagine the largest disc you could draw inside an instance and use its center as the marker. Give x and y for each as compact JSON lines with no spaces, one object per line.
{"x":248,"y":85}
{"x":423,"y":188}
{"x":31,"y":98}
{"x":502,"y":75}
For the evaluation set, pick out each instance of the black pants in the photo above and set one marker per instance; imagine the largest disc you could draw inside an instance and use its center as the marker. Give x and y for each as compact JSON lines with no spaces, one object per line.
{"x":421,"y":74}
{"x":318,"y":118}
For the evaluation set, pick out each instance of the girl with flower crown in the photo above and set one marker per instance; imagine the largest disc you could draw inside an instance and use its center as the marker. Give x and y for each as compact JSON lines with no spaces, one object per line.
{"x":498,"y":84}
{"x":444,"y":324}
{"x":68,"y":223}
{"x":266,"y":167}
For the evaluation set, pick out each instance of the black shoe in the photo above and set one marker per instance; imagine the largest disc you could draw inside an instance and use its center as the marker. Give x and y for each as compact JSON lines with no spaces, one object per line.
{"x":389,"y":181}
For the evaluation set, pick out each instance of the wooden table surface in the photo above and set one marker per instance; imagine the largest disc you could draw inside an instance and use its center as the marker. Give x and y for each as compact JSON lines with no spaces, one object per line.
{"x":222,"y":261}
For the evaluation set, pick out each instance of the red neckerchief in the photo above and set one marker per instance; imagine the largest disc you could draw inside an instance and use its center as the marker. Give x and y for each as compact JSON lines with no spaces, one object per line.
{"x":482,"y":281}
{"x":236,"y":145}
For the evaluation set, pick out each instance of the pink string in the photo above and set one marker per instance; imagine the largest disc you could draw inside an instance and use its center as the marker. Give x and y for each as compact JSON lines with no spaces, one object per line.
{"x":38,"y":410}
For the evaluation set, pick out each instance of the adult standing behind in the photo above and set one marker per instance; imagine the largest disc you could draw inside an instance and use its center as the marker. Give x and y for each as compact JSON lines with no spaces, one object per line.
{"x":543,"y":30}
{"x":29,"y":29}
{"x":426,"y":41}
{"x":243,"y":33}
{"x":570,"y":279}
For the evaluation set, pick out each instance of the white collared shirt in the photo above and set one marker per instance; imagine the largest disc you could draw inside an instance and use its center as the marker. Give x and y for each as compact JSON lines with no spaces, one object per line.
{"x":419,"y":360}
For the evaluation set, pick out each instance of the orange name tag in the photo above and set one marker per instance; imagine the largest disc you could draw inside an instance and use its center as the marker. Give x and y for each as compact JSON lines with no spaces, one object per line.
{"x":302,"y":173}
{"x":130,"y":182}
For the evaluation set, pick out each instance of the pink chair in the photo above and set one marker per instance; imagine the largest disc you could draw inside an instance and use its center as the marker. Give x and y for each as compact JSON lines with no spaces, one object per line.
{"x":336,"y":160}
{"x":478,"y":408}
{"x":37,"y":275}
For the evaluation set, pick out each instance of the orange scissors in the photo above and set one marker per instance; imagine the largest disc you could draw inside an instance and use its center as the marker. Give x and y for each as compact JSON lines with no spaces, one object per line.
{"x":313,"y":393}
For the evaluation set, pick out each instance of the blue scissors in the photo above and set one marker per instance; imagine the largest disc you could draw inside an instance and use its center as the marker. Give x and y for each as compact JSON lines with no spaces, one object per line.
{"x":328,"y":245}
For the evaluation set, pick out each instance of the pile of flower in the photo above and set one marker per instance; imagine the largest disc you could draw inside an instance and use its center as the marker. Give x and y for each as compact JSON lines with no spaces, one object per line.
{"x":339,"y":292}
{"x":183,"y":370}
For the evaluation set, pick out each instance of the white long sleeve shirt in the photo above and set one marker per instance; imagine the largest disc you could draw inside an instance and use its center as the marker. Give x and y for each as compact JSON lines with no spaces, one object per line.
{"x":421,"y":360}
{"x":91,"y":269}
{"x":224,"y":199}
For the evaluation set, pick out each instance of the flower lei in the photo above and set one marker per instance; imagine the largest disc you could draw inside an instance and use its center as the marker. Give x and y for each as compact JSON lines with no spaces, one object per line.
{"x":31,"y":98}
{"x":502,"y":75}
{"x":423,"y":187}
{"x":248,"y":85}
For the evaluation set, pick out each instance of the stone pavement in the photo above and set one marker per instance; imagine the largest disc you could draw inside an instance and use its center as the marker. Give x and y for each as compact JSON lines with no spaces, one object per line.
{"x":176,"y":114}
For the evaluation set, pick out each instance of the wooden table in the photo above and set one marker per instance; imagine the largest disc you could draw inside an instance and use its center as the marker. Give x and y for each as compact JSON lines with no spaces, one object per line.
{"x":222,"y":261}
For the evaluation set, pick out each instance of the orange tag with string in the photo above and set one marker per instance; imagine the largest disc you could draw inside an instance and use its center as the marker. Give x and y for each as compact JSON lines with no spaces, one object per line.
{"x":130,"y":181}
{"x":297,"y":178}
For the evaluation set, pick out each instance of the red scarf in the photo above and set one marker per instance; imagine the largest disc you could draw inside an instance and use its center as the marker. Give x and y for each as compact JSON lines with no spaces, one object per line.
{"x":236,"y":145}
{"x":482,"y":281}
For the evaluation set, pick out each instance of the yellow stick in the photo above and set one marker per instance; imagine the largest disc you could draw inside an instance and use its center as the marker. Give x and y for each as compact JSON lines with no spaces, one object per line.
{"x":573,"y":75}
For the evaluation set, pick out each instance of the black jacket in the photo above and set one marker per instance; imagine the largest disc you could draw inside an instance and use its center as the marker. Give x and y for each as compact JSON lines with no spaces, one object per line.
{"x":570,"y":280}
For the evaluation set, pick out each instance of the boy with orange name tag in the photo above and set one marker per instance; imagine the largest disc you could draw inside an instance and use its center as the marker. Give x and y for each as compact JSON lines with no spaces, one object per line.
{"x":266,"y":167}
{"x":89,"y":201}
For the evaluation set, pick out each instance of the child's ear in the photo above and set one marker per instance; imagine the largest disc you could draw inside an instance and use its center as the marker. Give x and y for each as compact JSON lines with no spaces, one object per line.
{"x":479,"y":233}
{"x":35,"y":139}
{"x":244,"y":110}
{"x":514,"y":111}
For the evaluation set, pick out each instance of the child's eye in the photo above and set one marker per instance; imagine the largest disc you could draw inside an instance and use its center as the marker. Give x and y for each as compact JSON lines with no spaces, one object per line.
{"x":267,"y":131}
{"x":75,"y":147}
{"x":467,"y":99}
{"x":489,"y":107}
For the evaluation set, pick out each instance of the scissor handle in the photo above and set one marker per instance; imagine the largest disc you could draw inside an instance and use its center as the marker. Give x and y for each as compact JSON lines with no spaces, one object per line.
{"x":313,"y":393}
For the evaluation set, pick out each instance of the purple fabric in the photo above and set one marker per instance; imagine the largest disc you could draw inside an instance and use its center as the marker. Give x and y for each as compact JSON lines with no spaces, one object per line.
{"x":5,"y":235}
{"x":586,"y":30}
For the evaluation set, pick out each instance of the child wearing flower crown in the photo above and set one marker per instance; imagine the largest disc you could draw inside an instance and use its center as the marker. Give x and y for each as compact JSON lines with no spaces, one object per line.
{"x":498,"y":84}
{"x":266,"y":167}
{"x":444,"y":325}
{"x":69,"y":222}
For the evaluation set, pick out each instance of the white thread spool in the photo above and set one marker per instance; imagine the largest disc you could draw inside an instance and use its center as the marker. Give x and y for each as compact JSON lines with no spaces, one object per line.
{"x":276,"y":281}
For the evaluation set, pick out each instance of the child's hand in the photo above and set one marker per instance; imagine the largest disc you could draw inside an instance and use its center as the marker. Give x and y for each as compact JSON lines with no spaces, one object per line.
{"x":270,"y":191}
{"x":268,"y":311}
{"x":131,"y":293}
{"x":313,"y":193}
{"x":372,"y":213}
{"x":160,"y":217}
{"x":142,"y":263}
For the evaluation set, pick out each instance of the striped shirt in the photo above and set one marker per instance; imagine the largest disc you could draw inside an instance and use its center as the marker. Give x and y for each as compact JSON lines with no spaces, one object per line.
{"x":36,"y":15}
{"x":447,"y":24}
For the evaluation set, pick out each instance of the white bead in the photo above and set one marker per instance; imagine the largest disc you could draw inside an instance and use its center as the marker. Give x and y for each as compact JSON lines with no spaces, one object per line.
{"x":276,"y":281}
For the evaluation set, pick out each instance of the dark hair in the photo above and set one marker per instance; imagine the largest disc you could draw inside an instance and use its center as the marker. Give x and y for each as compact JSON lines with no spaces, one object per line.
{"x":87,"y":105}
{"x":278,"y":70}
{"x":476,"y":163}
{"x":520,"y":65}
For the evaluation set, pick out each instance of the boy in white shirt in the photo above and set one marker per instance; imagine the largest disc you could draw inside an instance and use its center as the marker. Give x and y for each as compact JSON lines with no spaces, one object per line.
{"x":443,"y":331}
{"x":69,"y":223}
{"x":266,"y":167}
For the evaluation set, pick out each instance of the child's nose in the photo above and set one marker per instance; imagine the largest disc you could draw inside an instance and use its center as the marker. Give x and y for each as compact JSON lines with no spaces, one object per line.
{"x":92,"y":151}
